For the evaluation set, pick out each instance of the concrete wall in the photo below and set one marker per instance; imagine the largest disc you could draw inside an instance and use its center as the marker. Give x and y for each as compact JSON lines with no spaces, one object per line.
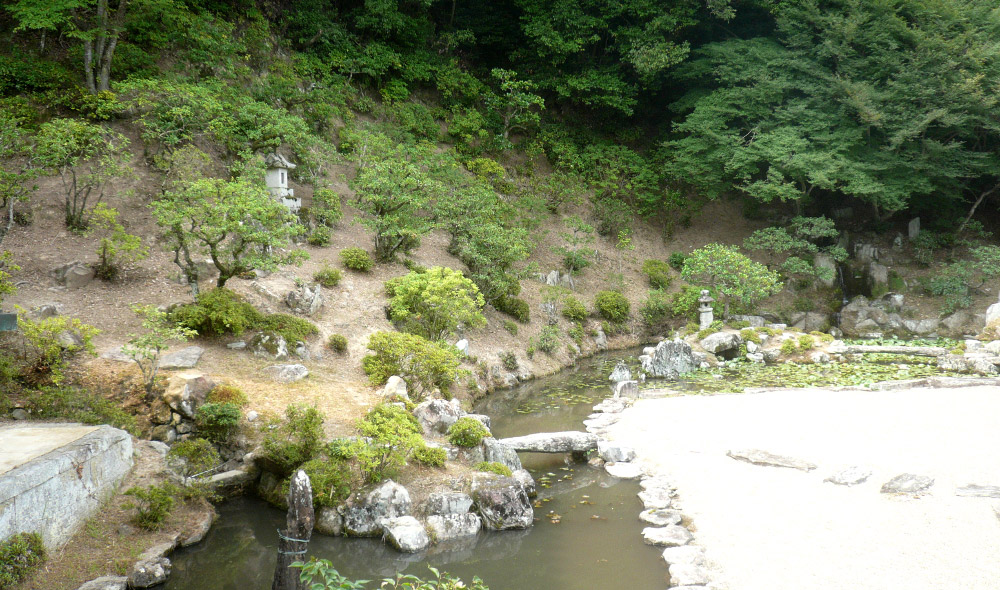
{"x":53,"y":494}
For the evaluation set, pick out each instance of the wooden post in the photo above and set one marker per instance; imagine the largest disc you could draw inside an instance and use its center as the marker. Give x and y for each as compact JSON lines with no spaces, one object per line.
{"x":293,"y":541}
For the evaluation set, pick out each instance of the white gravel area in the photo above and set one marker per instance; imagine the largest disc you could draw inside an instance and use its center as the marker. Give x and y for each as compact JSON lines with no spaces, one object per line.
{"x":773,"y":528}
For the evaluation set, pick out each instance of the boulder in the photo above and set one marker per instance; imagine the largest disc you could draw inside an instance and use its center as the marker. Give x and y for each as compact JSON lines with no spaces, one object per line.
{"x":825,"y":261}
{"x":667,"y":536}
{"x":613,"y":452}
{"x":523,"y":476}
{"x":365,"y":517}
{"x":953,"y":362}
{"x":956,"y":322}
{"x":499,"y":452}
{"x":627,"y":389}
{"x":483,"y":419}
{"x":992,"y":314}
{"x":601,"y":340}
{"x":106,"y":583}
{"x":287,"y":373}
{"x":721,"y":342}
{"x":552,"y":279}
{"x":502,"y":502}
{"x":406,"y":534}
{"x":329,"y":522}
{"x":45,"y":311}
{"x":68,"y":339}
{"x":463,"y":347}
{"x":850,"y":476}
{"x":811,"y":321}
{"x":395,"y":388}
{"x":656,"y":498}
{"x":163,"y":433}
{"x":913,"y":228}
{"x":444,"y":503}
{"x":185,"y":358}
{"x":670,"y":359}
{"x":449,"y":527}
{"x":755,"y":321}
{"x":306,"y":300}
{"x":553,"y":442}
{"x":269,"y":344}
{"x":550,"y":312}
{"x":907,"y":483}
{"x":149,"y":572}
{"x":661,"y":516}
{"x":922,"y":327}
{"x":73,"y":275}
{"x":437,"y":415}
{"x":758,"y":457}
{"x":623,"y":470}
{"x":621,"y":373}
{"x":978,"y":491}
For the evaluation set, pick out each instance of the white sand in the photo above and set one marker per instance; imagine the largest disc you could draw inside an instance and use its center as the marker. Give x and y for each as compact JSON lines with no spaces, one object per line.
{"x":771,"y":528}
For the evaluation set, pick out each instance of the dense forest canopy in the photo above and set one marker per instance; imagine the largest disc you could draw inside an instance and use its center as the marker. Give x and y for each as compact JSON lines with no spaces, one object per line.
{"x":884,"y":105}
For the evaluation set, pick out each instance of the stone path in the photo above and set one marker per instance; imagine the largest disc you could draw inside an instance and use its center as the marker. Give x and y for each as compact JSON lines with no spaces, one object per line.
{"x":784,"y":529}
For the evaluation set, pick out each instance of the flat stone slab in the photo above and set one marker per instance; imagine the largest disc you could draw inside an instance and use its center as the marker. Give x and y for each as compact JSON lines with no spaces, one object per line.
{"x":907,"y":483}
{"x":688,"y":574}
{"x":623,"y":470}
{"x":661,"y":516}
{"x":667,"y":536}
{"x":851,"y":476}
{"x":689,"y":554}
{"x":758,"y":457}
{"x":106,"y":583}
{"x":553,"y":442}
{"x":978,"y":491}
{"x":654,"y":498}
{"x":21,"y":444}
{"x":185,"y":358}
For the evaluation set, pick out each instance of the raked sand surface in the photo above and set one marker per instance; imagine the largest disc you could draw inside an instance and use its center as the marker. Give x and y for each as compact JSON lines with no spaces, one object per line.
{"x":770,"y":528}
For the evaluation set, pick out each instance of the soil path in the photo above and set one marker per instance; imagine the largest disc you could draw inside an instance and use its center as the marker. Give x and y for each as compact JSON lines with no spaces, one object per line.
{"x":781,"y":529}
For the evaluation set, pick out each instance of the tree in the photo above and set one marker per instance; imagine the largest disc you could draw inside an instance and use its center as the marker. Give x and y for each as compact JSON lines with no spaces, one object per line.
{"x":118,"y":250}
{"x":392,"y":195}
{"x":14,"y":178}
{"x":6,"y":267}
{"x":798,"y":244}
{"x":145,"y":349}
{"x":236,"y":223}
{"x":734,"y":276}
{"x":517,"y":105}
{"x":435,"y":302}
{"x":576,"y":253}
{"x":87,"y":158}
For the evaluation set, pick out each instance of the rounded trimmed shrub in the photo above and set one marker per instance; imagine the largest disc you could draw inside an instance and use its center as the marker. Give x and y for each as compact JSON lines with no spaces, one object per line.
{"x":612,"y":306}
{"x":658,"y":273}
{"x":327,"y":277}
{"x":573,"y":309}
{"x":227,"y":393}
{"x":356,"y":259}
{"x":338,"y":343}
{"x":430,"y":456}
{"x":467,"y":432}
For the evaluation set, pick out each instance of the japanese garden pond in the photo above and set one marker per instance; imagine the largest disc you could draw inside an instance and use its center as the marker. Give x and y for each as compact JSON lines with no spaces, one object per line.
{"x":587,"y":530}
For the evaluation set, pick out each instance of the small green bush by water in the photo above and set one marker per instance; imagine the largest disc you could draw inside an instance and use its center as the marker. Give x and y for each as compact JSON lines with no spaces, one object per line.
{"x":217,"y":421}
{"x":298,"y":438}
{"x":493,"y":467}
{"x":152,"y":504}
{"x":573,"y":309}
{"x":330,"y":479}
{"x":467,"y":432}
{"x":612,"y":306}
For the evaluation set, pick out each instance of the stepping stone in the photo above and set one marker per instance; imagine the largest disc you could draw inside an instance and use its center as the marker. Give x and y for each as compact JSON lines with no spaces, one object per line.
{"x":652,"y":483}
{"x":623,"y":470}
{"x":758,"y":457}
{"x":687,"y":574}
{"x":978,"y":491}
{"x":907,"y":483}
{"x":687,"y":554}
{"x":850,"y":477}
{"x":656,"y":498}
{"x":186,"y":358}
{"x":668,"y":536}
{"x":661,"y":516}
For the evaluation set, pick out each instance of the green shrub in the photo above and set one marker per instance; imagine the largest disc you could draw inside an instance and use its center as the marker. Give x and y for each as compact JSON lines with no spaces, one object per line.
{"x":327,"y":277}
{"x":338,"y":343}
{"x":218,"y":420}
{"x":509,"y":360}
{"x":547,"y":340}
{"x":45,"y":349}
{"x":656,"y":308}
{"x":227,"y":393}
{"x":711,"y":329}
{"x":828,"y":338}
{"x":20,"y":555}
{"x":197,"y":455}
{"x":423,"y":364}
{"x":750,"y":335}
{"x":293,"y":329}
{"x":326,"y":207}
{"x":393,"y":434}
{"x":430,"y":456}
{"x":612,"y":306}
{"x":80,"y":405}
{"x":515,"y":307}
{"x":494,"y":467}
{"x":356,"y":259}
{"x":511,"y":327}
{"x":152,"y":504}
{"x":331,"y":481}
{"x":467,"y":432}
{"x":789,"y":346}
{"x":319,"y":236}
{"x":658,"y":273}
{"x":676,"y":260}
{"x":434,"y":303}
{"x":806,"y":342}
{"x":291,"y":442}
{"x":573,"y":309}
{"x":219,"y":311}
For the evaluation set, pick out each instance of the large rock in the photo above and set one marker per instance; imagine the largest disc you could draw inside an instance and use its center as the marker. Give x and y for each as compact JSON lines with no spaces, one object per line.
{"x":269,"y":344}
{"x":287,"y":373}
{"x":406,"y":534}
{"x":185,"y":358}
{"x":826,"y":262}
{"x":106,"y":583}
{"x":667,"y":536}
{"x":553,"y":442}
{"x":395,"y":388}
{"x":661,"y":517}
{"x":754,"y":321}
{"x":610,"y":451}
{"x":366,"y":517}
{"x":850,"y":476}
{"x":502,"y":503}
{"x":437,"y":415}
{"x":811,"y":321}
{"x":621,"y":373}
{"x":186,"y":391}
{"x":907,"y":483}
{"x":922,"y":327}
{"x":149,"y":572}
{"x":627,"y":389}
{"x":329,"y":522}
{"x":624,"y":470}
{"x":670,"y":359}
{"x":199,"y":529}
{"x":758,"y":457}
{"x":449,"y":527}
{"x":523,"y":476}
{"x":496,"y":451}
{"x":73,"y":275}
{"x":721,"y":342}
{"x":444,"y":503}
{"x":306,"y":300}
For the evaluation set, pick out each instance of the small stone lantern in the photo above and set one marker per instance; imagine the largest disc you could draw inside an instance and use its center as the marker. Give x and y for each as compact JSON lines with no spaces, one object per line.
{"x":276,"y":178}
{"x":705,"y":314}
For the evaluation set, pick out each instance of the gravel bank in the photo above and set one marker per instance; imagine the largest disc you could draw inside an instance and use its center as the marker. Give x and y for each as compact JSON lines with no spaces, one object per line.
{"x":771,"y":528}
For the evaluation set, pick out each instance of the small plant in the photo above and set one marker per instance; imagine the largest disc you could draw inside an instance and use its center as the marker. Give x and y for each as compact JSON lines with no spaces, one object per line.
{"x":217,"y":421}
{"x":576,"y":254}
{"x":326,"y":207}
{"x":319,"y":236}
{"x":494,"y":467}
{"x":423,"y":364}
{"x":330,"y":479}
{"x":750,"y":335}
{"x":298,"y":438}
{"x":658,"y":273}
{"x":118,"y":251}
{"x":195,"y":456}
{"x":547,"y":340}
{"x":80,"y":405}
{"x":430,"y":456}
{"x":509,"y":360}
{"x":576,"y":333}
{"x":226,"y":393}
{"x":656,"y":309}
{"x":20,"y":555}
{"x":393,"y":434}
{"x":510,"y":326}
{"x":434,"y":303}
{"x":806,"y":342}
{"x":573,"y":309}
{"x":612,"y":306}
{"x":327,"y":277}
{"x":337,"y":343}
{"x":293,"y":329}
{"x":676,"y":260}
{"x":145,"y":350}
{"x":49,"y":343}
{"x":152,"y":504}
{"x":711,"y":329}
{"x":217,"y":312}
{"x":515,"y":307}
{"x":467,"y":432}
{"x":789,"y":347}
{"x":356,"y":259}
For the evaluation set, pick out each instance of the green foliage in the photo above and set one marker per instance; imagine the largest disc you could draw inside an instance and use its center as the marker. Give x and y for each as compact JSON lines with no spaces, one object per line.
{"x":573,"y":309}
{"x":806,"y":342}
{"x":331,"y":480}
{"x":434,"y":303}
{"x":293,"y":329}
{"x":291,"y":442}
{"x":956,"y":280}
{"x":493,"y":467}
{"x":656,"y":309}
{"x":237,"y":223}
{"x":430,"y":456}
{"x":393,"y":435}
{"x":49,"y":343}
{"x":227,"y":393}
{"x":218,"y":421}
{"x":712,"y":328}
{"x":924,"y":246}
{"x":511,"y":327}
{"x":196,"y":455}
{"x":319,"y":236}
{"x":486,"y":169}
{"x":789,"y":346}
{"x":576,"y":253}
{"x":147,"y":348}
{"x":423,"y":364}
{"x":118,"y":250}
{"x":356,"y":259}
{"x":750,"y":335}
{"x":6,"y":267}
{"x":326,"y":207}
{"x":509,"y":360}
{"x":516,"y":105}
{"x":321,"y":575}
{"x":734,"y":276}
{"x":20,"y":555}
{"x":467,"y":432}
{"x":216,"y":312}
{"x":612,"y":306}
{"x":797,"y":245}
{"x":327,"y":277}
{"x":152,"y":504}
{"x":515,"y":307}
{"x":547,"y":340}
{"x":658,"y":273}
{"x":80,"y":405}
{"x":337,"y":343}
{"x":676,"y":260}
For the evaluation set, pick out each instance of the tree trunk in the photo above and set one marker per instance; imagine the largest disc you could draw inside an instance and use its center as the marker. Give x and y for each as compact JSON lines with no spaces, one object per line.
{"x":88,"y":65}
{"x":975,"y":206}
{"x":293,"y":541}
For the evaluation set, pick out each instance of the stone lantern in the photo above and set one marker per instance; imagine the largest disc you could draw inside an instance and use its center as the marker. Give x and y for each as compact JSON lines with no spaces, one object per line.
{"x":705,"y":314}
{"x":276,"y":178}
